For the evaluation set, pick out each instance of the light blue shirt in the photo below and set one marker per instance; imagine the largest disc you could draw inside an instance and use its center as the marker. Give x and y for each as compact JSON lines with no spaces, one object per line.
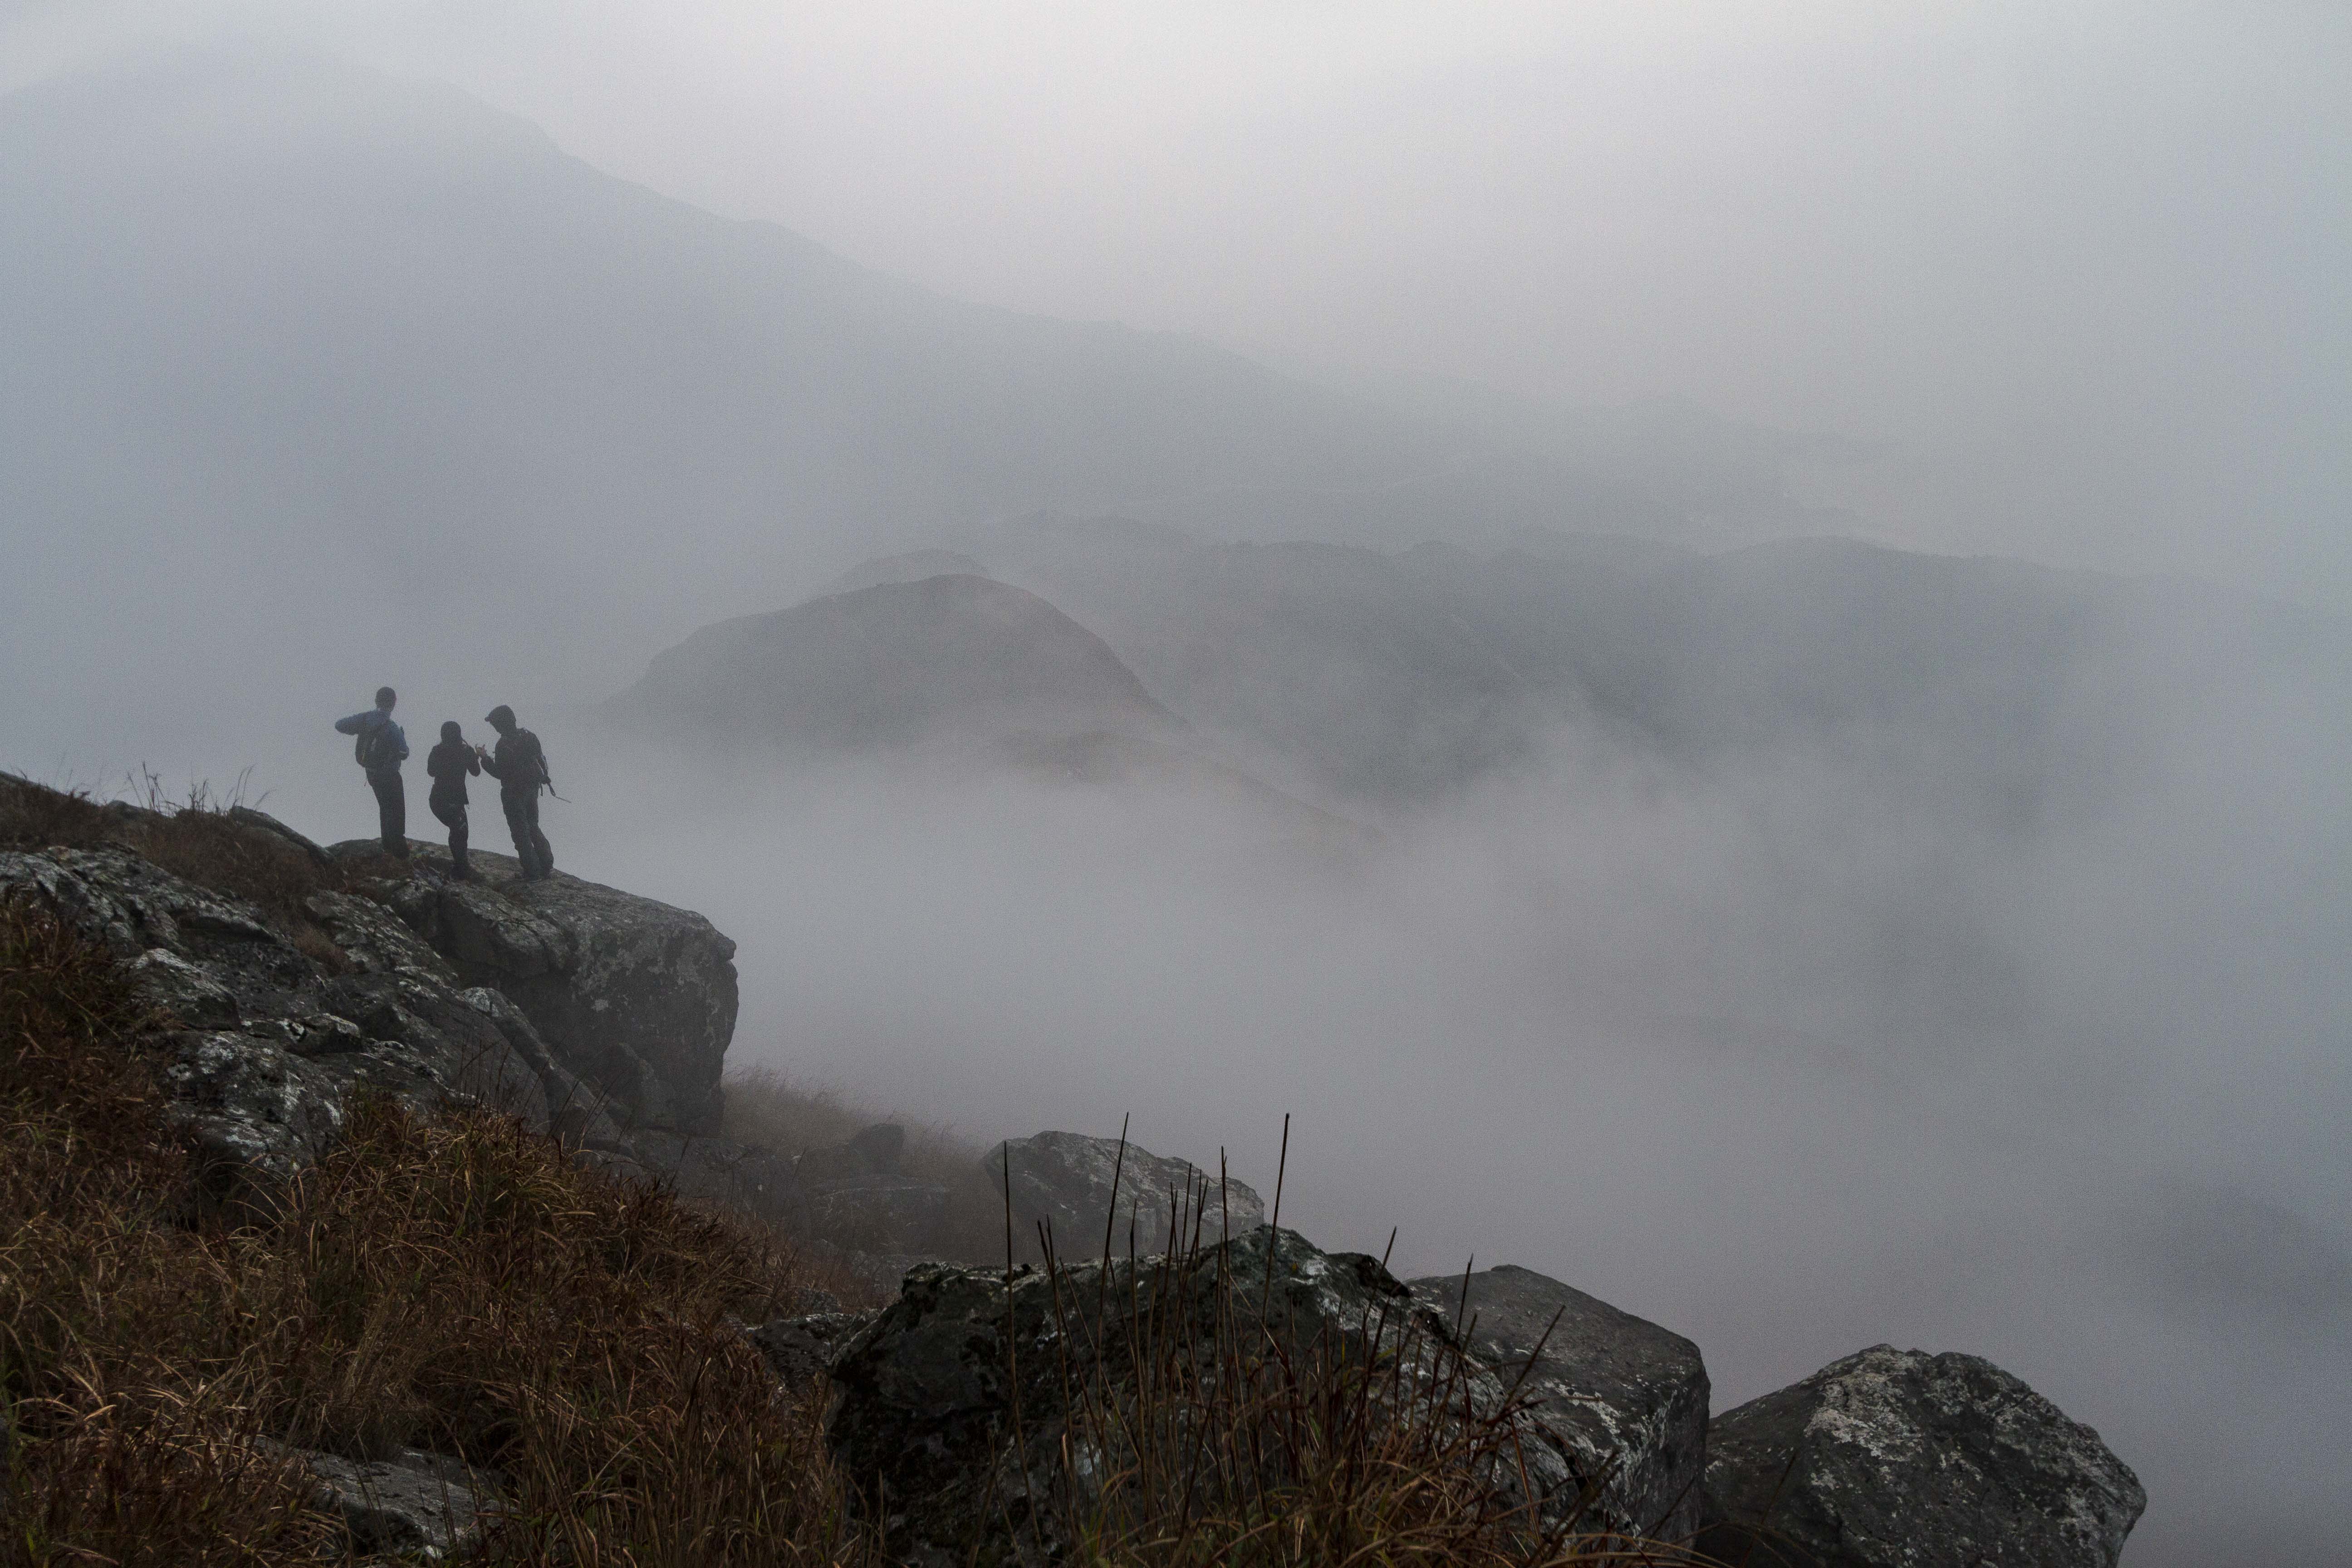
{"x":390,"y":748}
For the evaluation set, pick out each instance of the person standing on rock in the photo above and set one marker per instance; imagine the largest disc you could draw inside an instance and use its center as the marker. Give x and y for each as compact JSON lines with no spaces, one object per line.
{"x":520,"y":765}
{"x":450,"y":764}
{"x":381,"y":749}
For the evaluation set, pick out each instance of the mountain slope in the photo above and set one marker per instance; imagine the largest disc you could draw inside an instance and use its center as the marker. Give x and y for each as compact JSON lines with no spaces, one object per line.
{"x":305,"y":361}
{"x":1997,"y":689}
{"x":945,"y":657}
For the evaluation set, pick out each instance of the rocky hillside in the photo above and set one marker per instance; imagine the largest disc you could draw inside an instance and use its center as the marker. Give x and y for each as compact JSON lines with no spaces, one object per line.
{"x":408,"y":1170}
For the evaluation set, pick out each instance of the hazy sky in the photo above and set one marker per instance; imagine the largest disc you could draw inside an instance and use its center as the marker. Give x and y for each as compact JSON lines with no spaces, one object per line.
{"x":2085,"y":263}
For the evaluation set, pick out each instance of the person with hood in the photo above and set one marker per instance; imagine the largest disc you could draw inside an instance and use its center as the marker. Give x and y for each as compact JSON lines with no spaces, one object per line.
{"x":381,"y":749}
{"x":520,"y":765}
{"x":450,"y":762}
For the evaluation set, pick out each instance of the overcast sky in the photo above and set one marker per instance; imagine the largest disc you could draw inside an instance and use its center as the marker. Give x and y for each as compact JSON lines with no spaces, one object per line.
{"x":2085,"y":263}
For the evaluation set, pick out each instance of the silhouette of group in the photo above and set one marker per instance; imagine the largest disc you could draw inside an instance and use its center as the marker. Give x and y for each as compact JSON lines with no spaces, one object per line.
{"x":519,"y":765}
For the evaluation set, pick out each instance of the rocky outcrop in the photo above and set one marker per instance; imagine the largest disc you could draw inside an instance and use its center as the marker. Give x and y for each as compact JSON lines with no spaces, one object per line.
{"x":1065,"y":1180}
{"x":1622,"y":1401}
{"x":262,"y":1044}
{"x":1901,"y":1459}
{"x":934,"y":1390}
{"x":412,"y":1505}
{"x":636,"y":996}
{"x":800,"y":1348}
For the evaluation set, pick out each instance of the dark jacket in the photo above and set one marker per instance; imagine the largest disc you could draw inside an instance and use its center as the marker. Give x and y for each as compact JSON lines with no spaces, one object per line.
{"x":385,"y":744}
{"x":449,"y":761}
{"x":518,"y":764}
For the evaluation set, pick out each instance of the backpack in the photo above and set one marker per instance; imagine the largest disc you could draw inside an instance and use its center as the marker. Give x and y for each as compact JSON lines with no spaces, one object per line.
{"x":364,"y":750}
{"x":537,"y":756}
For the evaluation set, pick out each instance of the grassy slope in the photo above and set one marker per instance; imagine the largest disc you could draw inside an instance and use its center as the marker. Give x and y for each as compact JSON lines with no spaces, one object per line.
{"x":461,"y":1285}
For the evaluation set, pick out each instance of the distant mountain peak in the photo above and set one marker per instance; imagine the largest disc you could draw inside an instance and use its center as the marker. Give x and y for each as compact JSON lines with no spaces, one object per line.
{"x":950,"y":656}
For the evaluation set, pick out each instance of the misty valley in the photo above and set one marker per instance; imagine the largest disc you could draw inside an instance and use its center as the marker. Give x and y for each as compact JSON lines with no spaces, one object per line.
{"x":1591,"y":888}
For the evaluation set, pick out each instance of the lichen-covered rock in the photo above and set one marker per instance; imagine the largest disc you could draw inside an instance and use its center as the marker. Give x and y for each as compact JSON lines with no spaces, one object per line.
{"x":924,"y":1426}
{"x":1065,"y":1180}
{"x":635,"y":996}
{"x":1901,"y":1459}
{"x":878,"y":1213}
{"x":1621,"y":1400}
{"x":882,"y":1274}
{"x":414,"y":1504}
{"x":800,"y":1348}
{"x":261,"y":1044}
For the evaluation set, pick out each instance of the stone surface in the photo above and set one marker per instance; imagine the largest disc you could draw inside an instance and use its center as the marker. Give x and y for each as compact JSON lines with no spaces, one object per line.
{"x":632,"y":996}
{"x":882,"y":1275}
{"x":262,"y":1044}
{"x":414,"y":1504}
{"x":801,"y":1347}
{"x":876,"y":1214}
{"x":1065,"y":1180}
{"x":923,"y":1428}
{"x":1901,"y":1459}
{"x":1623,"y":1401}
{"x":250,"y":817}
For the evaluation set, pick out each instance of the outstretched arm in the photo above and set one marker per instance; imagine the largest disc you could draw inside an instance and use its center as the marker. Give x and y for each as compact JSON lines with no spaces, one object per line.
{"x":350,"y":726}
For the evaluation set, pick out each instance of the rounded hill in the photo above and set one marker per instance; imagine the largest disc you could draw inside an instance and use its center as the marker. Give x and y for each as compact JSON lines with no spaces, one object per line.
{"x":894,"y":664}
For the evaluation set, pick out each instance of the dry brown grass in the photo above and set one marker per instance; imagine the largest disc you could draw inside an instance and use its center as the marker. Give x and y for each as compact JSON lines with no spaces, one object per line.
{"x":196,"y":839}
{"x":459,"y":1286}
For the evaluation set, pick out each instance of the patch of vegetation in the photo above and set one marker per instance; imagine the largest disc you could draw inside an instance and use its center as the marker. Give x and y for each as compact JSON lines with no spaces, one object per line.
{"x":458,"y":1285}
{"x":197,"y":838}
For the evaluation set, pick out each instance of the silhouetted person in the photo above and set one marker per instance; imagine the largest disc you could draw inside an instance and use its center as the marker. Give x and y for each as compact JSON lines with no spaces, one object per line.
{"x":450,"y":764}
{"x":381,"y":749}
{"x":520,"y":765}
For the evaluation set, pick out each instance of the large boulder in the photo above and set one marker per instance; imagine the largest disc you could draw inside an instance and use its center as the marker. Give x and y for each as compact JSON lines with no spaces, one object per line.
{"x":1621,"y":1400}
{"x":414,"y":1504}
{"x":799,"y":1348}
{"x":878,"y":1213}
{"x":935,"y":1389}
{"x":634,"y":995}
{"x":1065,"y":1180}
{"x":1901,"y":1459}
{"x":263,"y":1042}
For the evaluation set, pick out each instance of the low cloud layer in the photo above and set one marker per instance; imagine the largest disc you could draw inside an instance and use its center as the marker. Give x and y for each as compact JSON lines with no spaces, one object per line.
{"x":1762,"y":1053}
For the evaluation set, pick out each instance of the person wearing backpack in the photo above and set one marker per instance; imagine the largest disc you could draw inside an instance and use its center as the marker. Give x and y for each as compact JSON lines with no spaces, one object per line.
{"x":519,"y":765}
{"x":381,"y":749}
{"x":450,"y":764}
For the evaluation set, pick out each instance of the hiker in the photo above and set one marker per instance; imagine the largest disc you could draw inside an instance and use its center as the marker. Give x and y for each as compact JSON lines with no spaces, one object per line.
{"x":450,"y":762}
{"x":520,"y":765}
{"x":380,"y":750}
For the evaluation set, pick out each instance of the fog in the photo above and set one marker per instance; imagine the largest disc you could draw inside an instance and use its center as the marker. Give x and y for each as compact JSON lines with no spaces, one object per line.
{"x":1801,"y":948}
{"x":2080,"y":266}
